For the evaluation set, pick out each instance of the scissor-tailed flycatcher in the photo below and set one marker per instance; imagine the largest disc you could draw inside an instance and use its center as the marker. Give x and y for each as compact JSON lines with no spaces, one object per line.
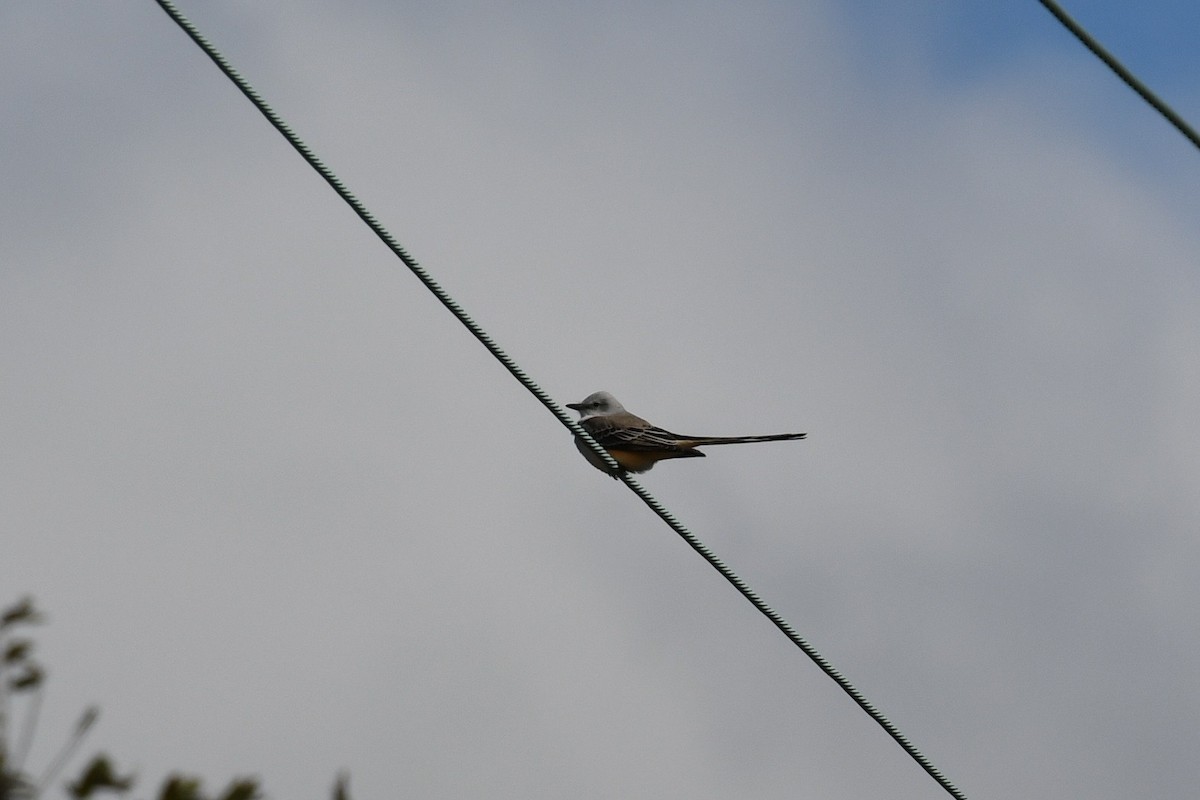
{"x":637,"y":445}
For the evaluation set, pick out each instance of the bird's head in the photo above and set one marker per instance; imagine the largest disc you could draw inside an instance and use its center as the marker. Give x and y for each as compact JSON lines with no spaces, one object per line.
{"x":597,"y":404}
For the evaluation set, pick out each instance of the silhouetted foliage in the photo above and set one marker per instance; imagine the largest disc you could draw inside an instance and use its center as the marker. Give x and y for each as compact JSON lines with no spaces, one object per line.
{"x":183,"y":787}
{"x":22,"y":677}
{"x":99,"y":775}
{"x":341,"y":788}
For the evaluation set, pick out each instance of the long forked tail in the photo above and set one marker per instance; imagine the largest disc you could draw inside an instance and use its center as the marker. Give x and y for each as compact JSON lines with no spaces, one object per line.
{"x":701,"y":441}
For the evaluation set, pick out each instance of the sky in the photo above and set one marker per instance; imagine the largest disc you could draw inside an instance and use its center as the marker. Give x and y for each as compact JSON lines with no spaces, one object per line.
{"x":286,"y":517}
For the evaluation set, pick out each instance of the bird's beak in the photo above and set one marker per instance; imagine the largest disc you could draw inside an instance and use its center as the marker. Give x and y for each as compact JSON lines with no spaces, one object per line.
{"x":575,"y":406}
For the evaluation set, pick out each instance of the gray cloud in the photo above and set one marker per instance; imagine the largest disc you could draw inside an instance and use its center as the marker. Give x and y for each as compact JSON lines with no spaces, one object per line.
{"x":289,"y":518}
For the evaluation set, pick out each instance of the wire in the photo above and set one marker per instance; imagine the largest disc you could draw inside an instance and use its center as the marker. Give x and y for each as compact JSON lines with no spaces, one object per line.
{"x":547,"y":401}
{"x":1128,"y":77}
{"x":244,"y":86}
{"x":795,"y":638}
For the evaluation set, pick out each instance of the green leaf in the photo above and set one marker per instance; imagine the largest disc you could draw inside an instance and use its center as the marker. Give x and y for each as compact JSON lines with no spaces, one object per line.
{"x":341,"y":787}
{"x":99,"y":775}
{"x":29,"y":679}
{"x":178,"y":787}
{"x":14,"y":784}
{"x":17,"y":650}
{"x":21,"y":611}
{"x":244,"y":789}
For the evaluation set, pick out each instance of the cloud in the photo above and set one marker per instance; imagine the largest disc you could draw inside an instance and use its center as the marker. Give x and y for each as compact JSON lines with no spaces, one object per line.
{"x":293,"y":519}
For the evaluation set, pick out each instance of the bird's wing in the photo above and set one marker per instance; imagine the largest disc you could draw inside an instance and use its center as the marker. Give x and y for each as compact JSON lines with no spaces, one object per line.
{"x":613,"y":435}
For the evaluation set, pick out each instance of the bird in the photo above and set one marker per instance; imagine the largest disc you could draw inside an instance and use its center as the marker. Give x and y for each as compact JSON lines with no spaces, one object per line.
{"x":637,"y":445}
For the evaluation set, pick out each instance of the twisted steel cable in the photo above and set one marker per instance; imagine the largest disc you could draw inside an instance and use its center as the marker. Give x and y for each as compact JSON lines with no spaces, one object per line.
{"x":517,"y":372}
